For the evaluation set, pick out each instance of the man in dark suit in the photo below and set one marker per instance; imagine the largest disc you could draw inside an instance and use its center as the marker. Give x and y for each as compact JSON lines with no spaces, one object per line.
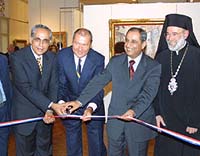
{"x":177,"y":102}
{"x":5,"y":103}
{"x":34,"y":74}
{"x":132,"y":95}
{"x":73,"y":77}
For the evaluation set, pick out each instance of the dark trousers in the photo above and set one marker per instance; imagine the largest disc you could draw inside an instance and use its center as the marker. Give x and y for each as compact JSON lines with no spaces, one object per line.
{"x":74,"y":137}
{"x":4,"y":132}
{"x":168,"y":146}
{"x":38,"y":143}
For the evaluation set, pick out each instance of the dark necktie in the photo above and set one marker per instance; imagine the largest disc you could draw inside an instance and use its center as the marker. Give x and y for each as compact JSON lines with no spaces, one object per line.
{"x":78,"y":69}
{"x":131,"y":69}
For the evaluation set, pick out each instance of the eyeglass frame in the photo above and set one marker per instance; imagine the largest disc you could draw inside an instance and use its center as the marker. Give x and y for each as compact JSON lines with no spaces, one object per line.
{"x":43,"y":41}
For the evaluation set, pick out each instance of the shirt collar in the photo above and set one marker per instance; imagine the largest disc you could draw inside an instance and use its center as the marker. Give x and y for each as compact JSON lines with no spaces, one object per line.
{"x":137,"y":59}
{"x":82,"y":59}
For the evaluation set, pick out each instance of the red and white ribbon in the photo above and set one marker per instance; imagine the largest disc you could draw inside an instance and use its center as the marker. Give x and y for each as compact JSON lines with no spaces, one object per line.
{"x":161,"y":130}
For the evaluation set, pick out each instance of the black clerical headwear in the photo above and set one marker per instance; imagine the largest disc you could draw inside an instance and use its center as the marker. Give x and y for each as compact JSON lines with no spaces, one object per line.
{"x":181,"y":21}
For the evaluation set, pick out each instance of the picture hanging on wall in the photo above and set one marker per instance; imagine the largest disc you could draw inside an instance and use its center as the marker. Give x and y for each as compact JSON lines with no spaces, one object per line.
{"x":60,"y":37}
{"x":21,"y":43}
{"x":119,"y":27}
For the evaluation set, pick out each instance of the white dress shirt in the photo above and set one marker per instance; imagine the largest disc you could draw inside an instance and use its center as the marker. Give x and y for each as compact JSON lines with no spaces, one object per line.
{"x":76,"y":59}
{"x":2,"y":96}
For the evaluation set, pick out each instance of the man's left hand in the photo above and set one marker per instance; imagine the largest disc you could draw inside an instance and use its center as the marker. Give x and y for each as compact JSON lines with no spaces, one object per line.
{"x":87,"y":114}
{"x":128,"y":115}
{"x":191,"y":130}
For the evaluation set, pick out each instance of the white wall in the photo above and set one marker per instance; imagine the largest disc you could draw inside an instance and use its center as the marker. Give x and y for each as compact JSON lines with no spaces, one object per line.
{"x":96,"y":17}
{"x":48,"y":12}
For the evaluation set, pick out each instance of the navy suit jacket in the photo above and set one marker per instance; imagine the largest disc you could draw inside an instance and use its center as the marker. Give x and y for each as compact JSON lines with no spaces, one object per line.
{"x":5,"y":80}
{"x":69,"y":87}
{"x":33,"y":92}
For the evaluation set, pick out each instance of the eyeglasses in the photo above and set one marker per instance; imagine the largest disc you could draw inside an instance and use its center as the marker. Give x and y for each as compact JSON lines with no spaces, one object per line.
{"x":39,"y":40}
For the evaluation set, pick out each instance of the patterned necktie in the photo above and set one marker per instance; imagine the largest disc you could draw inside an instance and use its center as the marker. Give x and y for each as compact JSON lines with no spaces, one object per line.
{"x":78,"y":69}
{"x":39,"y":61}
{"x":131,"y":69}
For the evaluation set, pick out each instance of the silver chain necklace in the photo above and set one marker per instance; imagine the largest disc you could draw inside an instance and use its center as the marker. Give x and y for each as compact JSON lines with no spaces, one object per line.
{"x":172,"y":87}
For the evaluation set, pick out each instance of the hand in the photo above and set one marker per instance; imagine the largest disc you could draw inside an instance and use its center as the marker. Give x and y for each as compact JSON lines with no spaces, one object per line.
{"x":128,"y":115}
{"x":191,"y":130}
{"x":159,"y":121}
{"x":87,"y":114}
{"x":72,"y":106}
{"x":60,"y":109}
{"x":49,"y":117}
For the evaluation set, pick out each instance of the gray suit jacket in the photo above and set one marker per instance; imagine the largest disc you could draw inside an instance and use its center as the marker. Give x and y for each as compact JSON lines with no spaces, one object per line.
{"x":136,"y":94}
{"x":33,"y":92}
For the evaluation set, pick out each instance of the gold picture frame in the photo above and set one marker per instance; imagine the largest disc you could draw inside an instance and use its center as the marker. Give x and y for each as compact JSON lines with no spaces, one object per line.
{"x":59,"y":37}
{"x":119,"y":27}
{"x":21,"y":43}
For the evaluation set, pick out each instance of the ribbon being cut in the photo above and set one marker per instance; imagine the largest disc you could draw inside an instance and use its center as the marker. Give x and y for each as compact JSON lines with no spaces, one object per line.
{"x":160,"y":130}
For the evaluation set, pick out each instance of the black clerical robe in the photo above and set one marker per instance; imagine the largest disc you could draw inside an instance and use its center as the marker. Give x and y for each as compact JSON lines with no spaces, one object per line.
{"x":182,"y":108}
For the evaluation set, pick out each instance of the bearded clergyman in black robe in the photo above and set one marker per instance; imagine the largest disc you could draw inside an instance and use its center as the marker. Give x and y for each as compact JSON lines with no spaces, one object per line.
{"x":177,"y":104}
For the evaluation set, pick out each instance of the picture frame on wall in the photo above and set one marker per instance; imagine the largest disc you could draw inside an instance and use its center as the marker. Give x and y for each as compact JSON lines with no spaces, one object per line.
{"x":21,"y":43}
{"x":59,"y":37}
{"x":119,"y":27}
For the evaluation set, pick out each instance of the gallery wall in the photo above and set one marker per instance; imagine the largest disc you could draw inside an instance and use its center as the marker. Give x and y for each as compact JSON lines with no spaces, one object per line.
{"x":58,"y":15}
{"x":96,"y":18}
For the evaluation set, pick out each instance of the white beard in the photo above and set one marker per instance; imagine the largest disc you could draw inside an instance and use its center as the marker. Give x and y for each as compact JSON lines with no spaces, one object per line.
{"x":179,"y":45}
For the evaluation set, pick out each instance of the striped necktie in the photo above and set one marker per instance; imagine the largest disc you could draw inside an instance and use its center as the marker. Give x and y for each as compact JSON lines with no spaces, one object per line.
{"x":78,"y":69}
{"x":131,"y":69}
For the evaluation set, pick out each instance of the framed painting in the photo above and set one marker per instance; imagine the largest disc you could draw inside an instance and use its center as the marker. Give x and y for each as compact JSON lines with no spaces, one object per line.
{"x":60,"y":37}
{"x":20,"y":43}
{"x":119,"y":27}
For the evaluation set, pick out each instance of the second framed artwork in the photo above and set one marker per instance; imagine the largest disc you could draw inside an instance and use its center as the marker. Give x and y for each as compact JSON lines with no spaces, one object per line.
{"x":119,"y":27}
{"x":60,"y":37}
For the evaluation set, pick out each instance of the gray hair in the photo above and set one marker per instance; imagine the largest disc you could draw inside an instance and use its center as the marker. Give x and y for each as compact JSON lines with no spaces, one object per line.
{"x":37,"y":26}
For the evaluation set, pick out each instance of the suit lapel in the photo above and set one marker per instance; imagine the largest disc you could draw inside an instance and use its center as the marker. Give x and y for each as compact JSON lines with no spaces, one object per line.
{"x":88,"y":67}
{"x":1,"y":69}
{"x":72,"y":70}
{"x":125,"y":69}
{"x":46,"y":66}
{"x":70,"y":67}
{"x":31,"y":61}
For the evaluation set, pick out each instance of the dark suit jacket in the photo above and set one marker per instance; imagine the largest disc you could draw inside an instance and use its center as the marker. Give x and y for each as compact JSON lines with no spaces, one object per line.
{"x":32,"y":92}
{"x":5,"y":79}
{"x":5,"y":108}
{"x":136,"y":94}
{"x":69,"y":88}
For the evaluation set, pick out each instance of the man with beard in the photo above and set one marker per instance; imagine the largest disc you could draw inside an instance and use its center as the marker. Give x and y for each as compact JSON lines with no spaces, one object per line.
{"x":177,"y":102}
